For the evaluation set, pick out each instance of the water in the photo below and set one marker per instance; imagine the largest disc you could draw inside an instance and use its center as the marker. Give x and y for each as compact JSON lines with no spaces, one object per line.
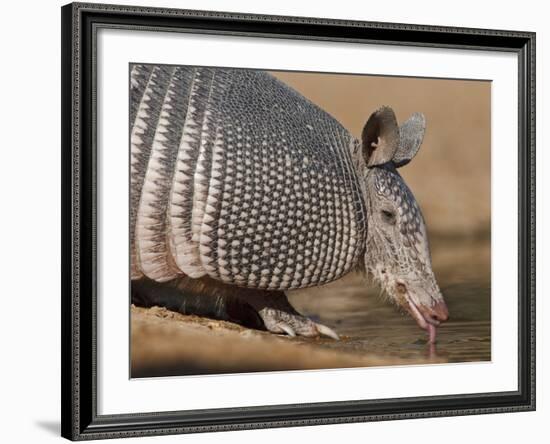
{"x":367,"y":322}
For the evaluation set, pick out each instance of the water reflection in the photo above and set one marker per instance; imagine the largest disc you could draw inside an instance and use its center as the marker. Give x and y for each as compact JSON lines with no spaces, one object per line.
{"x":368,"y":322}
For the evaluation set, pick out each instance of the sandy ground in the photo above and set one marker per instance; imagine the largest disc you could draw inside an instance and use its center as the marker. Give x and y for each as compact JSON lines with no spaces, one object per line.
{"x":166,"y":343}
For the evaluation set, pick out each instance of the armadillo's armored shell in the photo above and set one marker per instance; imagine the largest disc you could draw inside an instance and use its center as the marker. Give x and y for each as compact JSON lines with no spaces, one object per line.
{"x":237,"y":176}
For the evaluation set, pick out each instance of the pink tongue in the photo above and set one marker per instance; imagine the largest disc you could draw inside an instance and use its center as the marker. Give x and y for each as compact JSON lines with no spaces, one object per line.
{"x":431,"y":333}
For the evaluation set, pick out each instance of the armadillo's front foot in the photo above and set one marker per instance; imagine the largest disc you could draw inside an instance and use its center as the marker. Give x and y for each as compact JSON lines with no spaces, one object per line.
{"x":293,"y":324}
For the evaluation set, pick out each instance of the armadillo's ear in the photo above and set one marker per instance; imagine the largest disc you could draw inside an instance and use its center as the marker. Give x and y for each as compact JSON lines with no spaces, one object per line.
{"x":380,"y":137}
{"x":411,"y":134}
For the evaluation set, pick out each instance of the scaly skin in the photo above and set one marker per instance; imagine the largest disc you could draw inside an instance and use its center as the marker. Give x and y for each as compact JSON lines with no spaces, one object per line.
{"x":242,"y":189}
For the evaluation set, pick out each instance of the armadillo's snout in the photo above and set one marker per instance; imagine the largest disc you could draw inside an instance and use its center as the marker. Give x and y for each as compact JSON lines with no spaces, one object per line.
{"x":428,"y":316}
{"x":436,"y":313}
{"x":440,"y":312}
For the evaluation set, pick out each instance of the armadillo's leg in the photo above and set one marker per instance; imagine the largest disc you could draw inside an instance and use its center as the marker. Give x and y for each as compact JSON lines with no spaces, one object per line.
{"x":194,"y":299}
{"x":281,"y":317}
{"x":260,"y":309}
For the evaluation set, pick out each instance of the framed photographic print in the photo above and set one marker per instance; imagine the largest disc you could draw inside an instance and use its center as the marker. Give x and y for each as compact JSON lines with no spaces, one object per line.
{"x":278,"y":221}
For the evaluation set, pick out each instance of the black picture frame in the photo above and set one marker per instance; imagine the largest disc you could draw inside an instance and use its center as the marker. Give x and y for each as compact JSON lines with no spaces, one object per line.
{"x":79,"y":396}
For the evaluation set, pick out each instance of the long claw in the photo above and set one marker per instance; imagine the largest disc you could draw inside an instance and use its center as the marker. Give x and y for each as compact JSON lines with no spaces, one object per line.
{"x":287,"y":329}
{"x":324,"y":330}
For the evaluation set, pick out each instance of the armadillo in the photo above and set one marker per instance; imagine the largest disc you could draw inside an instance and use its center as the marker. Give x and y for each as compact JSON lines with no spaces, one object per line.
{"x":242,"y":189}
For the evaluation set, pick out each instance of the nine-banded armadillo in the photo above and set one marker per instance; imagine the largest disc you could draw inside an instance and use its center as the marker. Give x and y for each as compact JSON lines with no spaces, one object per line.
{"x":242,"y":189}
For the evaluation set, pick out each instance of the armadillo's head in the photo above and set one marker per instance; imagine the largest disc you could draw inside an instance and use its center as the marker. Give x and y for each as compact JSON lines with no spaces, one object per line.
{"x":397,"y":252}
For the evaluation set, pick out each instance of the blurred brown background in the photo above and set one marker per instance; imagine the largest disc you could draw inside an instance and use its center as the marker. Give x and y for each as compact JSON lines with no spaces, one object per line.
{"x":451,"y":175}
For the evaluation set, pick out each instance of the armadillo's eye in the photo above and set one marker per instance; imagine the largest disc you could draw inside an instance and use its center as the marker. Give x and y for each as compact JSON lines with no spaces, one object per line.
{"x":388,"y":217}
